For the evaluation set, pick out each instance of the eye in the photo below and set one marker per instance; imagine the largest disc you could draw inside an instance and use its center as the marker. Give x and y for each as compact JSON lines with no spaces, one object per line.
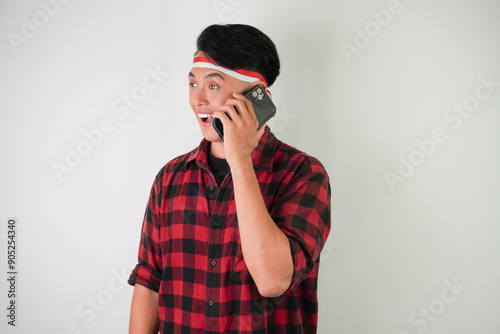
{"x":192,"y":84}
{"x":212,"y":86}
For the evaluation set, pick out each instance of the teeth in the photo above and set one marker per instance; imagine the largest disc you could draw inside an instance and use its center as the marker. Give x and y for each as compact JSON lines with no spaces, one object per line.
{"x":205,"y":115}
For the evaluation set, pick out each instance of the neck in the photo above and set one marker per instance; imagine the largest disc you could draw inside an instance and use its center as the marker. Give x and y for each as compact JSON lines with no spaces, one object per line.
{"x":217,"y":150}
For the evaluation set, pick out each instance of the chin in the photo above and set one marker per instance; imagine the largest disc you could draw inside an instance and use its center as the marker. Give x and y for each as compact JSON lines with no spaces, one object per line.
{"x":210,"y":135}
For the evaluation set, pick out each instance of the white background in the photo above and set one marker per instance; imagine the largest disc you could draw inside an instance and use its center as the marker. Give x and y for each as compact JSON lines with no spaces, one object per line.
{"x":393,"y":251}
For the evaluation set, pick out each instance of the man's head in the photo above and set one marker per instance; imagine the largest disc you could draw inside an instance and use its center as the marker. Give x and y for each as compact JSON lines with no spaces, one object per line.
{"x":241,"y":46}
{"x":237,"y":47}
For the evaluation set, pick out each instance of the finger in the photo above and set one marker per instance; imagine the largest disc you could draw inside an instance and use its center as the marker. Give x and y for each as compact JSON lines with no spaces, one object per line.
{"x":224,"y":118}
{"x":247,"y":113}
{"x":231,"y":113}
{"x":242,"y":101}
{"x":239,"y":106}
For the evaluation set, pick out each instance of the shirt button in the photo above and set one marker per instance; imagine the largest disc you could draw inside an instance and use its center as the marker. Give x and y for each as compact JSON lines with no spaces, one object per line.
{"x":211,"y":302}
{"x":214,"y":263}
{"x":211,"y":188}
{"x":216,"y":223}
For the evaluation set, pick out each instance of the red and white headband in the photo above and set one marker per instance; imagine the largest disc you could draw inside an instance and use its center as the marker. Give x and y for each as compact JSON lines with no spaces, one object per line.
{"x":241,"y":74}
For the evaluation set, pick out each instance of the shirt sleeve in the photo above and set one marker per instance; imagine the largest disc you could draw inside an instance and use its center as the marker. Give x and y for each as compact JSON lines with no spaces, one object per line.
{"x":149,"y":269}
{"x":303,"y":214}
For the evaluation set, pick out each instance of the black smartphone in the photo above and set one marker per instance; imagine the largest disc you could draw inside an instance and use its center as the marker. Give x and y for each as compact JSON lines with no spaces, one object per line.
{"x":262,"y":105}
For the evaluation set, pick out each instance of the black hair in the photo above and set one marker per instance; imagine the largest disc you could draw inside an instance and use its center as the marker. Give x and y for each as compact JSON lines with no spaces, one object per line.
{"x":240,"y":46}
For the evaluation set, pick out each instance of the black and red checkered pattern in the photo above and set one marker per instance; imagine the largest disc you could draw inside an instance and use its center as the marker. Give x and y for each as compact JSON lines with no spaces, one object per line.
{"x":190,"y":250}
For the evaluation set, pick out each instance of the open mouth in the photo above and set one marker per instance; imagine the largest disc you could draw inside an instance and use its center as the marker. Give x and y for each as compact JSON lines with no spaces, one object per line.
{"x":206,"y":117}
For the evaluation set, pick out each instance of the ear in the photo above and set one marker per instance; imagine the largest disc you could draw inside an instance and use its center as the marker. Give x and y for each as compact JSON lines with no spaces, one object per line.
{"x":255,"y":83}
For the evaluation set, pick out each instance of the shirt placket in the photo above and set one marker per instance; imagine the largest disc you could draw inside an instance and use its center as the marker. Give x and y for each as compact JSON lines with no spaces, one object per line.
{"x":215,"y":242}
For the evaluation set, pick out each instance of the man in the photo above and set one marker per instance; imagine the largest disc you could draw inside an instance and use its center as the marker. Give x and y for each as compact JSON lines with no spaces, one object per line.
{"x":233,"y":230}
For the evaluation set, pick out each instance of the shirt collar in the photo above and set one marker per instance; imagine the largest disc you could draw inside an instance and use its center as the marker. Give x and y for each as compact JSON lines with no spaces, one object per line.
{"x":262,"y":156}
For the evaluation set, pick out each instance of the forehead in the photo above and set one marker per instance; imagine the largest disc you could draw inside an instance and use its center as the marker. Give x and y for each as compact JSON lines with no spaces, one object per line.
{"x":207,"y":73}
{"x":203,"y":73}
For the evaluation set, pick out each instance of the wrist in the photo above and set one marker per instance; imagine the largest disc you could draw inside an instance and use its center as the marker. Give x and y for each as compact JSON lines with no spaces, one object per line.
{"x":240,"y":163}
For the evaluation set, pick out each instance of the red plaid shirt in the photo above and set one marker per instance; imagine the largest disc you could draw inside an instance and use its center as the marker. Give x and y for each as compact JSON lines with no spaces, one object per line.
{"x":190,"y":251}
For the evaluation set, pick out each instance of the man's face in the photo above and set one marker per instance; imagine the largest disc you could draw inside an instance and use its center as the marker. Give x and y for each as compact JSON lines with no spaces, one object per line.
{"x":208,"y":90}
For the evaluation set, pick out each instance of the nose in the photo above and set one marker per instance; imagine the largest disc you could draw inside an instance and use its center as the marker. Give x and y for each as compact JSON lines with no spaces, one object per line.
{"x":199,"y":97}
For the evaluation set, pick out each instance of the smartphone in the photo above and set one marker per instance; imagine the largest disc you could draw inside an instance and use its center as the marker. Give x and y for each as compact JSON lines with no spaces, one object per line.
{"x":262,"y":105}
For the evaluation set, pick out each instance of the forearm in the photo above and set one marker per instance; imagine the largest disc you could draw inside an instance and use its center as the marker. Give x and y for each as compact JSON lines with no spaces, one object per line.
{"x":265,"y":247}
{"x":144,"y":311}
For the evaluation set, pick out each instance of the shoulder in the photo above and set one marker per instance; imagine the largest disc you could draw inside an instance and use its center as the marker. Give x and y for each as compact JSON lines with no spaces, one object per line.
{"x":292,"y":159}
{"x":176,"y":165}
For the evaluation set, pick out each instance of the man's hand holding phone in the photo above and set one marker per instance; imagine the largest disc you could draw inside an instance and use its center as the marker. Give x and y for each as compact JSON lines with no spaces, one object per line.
{"x":245,"y":114}
{"x":240,"y":125}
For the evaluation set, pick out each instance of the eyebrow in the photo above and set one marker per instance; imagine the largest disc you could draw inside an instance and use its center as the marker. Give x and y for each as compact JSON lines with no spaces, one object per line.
{"x":209,"y":75}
